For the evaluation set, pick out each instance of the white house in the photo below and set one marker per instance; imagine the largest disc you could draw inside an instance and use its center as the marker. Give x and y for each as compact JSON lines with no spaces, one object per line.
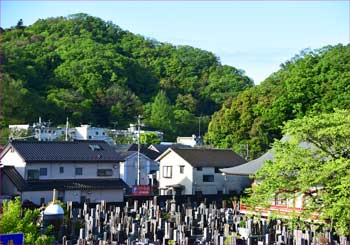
{"x":86,"y":132}
{"x":193,"y":171}
{"x":79,"y":170}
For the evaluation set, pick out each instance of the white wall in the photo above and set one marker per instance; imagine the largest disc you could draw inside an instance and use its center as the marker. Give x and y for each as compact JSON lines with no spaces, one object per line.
{"x":86,"y":132}
{"x":232,"y":183}
{"x":89,"y":170}
{"x":34,"y":196}
{"x":186,"y":179}
{"x":12,"y":158}
{"x":75,"y":195}
{"x":106,"y":195}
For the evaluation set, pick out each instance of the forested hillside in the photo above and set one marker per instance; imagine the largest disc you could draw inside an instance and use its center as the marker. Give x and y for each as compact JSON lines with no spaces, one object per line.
{"x":310,"y":83}
{"x":94,"y":72}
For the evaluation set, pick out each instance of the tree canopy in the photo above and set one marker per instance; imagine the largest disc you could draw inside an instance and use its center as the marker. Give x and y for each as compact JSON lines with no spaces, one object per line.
{"x":311,"y":82}
{"x":12,"y":221}
{"x":95,"y":72}
{"x":321,"y":172}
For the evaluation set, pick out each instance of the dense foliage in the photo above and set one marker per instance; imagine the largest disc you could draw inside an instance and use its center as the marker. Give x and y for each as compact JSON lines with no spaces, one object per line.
{"x":94,"y":72}
{"x":13,"y":221}
{"x":321,"y":172}
{"x":312,"y":82}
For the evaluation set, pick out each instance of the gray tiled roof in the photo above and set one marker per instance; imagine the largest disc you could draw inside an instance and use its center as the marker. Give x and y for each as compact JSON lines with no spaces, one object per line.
{"x":65,"y":151}
{"x":210,"y":157}
{"x":250,"y":167}
{"x":253,"y":166}
{"x":121,"y":149}
{"x":14,"y":176}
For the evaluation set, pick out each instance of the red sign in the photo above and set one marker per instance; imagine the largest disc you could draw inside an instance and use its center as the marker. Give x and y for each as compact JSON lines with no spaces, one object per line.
{"x":141,"y":190}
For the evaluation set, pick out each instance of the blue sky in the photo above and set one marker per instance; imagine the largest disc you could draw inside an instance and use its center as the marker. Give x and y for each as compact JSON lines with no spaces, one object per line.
{"x":256,"y":36}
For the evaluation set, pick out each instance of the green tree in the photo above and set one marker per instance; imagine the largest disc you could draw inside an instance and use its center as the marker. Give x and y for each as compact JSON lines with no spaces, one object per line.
{"x":312,"y":82}
{"x":12,"y":221}
{"x":149,"y":138}
{"x":162,"y":116}
{"x":321,"y":171}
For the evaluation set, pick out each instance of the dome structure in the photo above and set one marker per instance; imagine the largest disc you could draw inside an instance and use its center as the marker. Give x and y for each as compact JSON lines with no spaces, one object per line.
{"x":53,"y":209}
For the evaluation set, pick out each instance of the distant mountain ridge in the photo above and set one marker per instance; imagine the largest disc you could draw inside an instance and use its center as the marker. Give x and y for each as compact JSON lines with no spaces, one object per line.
{"x":94,"y":72}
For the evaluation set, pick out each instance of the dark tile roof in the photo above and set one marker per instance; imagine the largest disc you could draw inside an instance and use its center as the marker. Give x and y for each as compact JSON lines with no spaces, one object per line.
{"x":14,"y":176}
{"x":66,"y":151}
{"x":133,"y":147}
{"x":161,"y":148}
{"x":210,"y":157}
{"x":75,"y":184}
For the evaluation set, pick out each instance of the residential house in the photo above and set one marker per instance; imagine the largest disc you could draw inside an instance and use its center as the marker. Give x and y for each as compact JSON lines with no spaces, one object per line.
{"x":193,"y":171}
{"x":129,"y":165}
{"x":79,"y":170}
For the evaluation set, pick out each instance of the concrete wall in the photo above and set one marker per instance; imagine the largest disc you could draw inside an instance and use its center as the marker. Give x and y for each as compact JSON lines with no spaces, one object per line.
{"x":75,"y":195}
{"x":35,"y":196}
{"x":86,"y":132}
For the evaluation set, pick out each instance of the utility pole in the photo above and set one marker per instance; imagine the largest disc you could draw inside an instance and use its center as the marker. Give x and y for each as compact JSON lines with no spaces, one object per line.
{"x":67,"y":127}
{"x":138,"y":150}
{"x":199,"y":126}
{"x":39,"y":137}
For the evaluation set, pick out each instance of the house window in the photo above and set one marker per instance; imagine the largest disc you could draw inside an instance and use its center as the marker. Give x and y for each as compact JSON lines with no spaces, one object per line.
{"x":61,"y":170}
{"x":42,"y":200}
{"x":217,"y":171}
{"x":96,"y":133}
{"x":167,"y":171}
{"x":43,"y":171}
{"x":199,"y":168}
{"x":104,"y":172}
{"x":33,"y":174}
{"x":89,"y":136}
{"x":78,"y":171}
{"x":182,"y":169}
{"x":208,"y":178}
